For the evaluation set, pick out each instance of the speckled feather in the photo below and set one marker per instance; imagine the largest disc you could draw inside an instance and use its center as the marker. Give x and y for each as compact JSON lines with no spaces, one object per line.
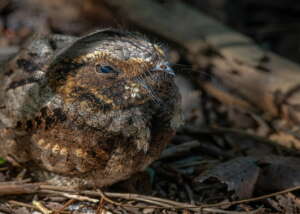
{"x":61,"y":115}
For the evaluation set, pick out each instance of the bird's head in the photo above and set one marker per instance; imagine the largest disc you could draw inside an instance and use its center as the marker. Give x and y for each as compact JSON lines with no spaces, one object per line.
{"x":111,"y":69}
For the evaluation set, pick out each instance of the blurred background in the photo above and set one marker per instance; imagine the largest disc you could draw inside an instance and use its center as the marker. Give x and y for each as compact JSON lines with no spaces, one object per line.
{"x":273,"y":24}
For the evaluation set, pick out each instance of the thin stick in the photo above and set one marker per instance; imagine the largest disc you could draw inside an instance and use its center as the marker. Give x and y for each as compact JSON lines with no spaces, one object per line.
{"x":71,"y":196}
{"x":100,"y":207}
{"x":180,"y":205}
{"x":18,"y":189}
{"x":69,"y":202}
{"x":21,"y":204}
{"x":39,"y":206}
{"x":159,"y":202}
{"x":255,"y":198}
{"x":160,"y":205}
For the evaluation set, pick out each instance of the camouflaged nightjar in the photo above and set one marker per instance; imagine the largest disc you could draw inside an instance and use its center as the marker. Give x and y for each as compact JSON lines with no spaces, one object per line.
{"x":88,"y":111}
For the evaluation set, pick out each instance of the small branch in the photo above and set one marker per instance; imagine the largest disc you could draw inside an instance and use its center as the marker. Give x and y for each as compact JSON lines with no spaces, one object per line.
{"x":177,"y":150}
{"x":18,"y":189}
{"x":254,"y":199}
{"x":180,"y":205}
{"x":159,"y":203}
{"x":21,"y":204}
{"x":71,"y":201}
{"x":39,"y":206}
{"x":71,"y":196}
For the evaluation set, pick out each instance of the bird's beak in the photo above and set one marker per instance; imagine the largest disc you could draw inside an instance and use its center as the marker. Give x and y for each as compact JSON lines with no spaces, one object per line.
{"x":165,"y":67}
{"x":169,"y":70}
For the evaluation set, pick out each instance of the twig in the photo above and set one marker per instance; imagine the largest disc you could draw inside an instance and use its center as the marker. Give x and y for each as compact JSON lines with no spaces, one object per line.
{"x":103,"y":196}
{"x":71,"y":196}
{"x":21,"y":175}
{"x":18,"y":189}
{"x":39,"y":206}
{"x":100,"y":207}
{"x":159,"y":203}
{"x":57,"y":188}
{"x":177,"y":205}
{"x":253,"y":199}
{"x":179,"y":149}
{"x":180,"y":205}
{"x":71,"y":201}
{"x":189,"y":193}
{"x":21,"y":204}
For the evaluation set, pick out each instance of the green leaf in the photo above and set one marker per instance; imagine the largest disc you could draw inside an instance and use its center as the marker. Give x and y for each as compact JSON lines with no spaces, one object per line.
{"x":2,"y":161}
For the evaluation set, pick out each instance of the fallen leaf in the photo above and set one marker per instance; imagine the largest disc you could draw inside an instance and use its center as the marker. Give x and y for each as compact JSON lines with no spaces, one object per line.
{"x":278,"y":173}
{"x":240,"y":176}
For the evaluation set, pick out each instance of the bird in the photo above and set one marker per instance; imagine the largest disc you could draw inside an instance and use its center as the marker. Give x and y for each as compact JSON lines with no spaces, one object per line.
{"x":87,"y":111}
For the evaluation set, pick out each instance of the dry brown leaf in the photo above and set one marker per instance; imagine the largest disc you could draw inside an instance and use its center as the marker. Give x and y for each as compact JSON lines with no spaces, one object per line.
{"x":286,"y":140}
{"x":240,"y":176}
{"x":278,"y":173}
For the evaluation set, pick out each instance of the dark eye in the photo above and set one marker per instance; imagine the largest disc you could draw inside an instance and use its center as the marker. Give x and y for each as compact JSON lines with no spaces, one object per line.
{"x":105,"y":69}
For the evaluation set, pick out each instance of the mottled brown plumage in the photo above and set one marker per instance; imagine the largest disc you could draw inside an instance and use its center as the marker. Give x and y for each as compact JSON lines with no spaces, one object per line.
{"x":91,"y":110}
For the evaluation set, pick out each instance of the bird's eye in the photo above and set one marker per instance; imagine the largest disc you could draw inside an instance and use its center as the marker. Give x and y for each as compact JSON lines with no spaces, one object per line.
{"x":105,"y":69}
